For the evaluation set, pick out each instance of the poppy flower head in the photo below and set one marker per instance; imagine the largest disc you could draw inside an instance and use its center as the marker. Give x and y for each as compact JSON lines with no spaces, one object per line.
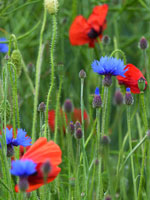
{"x":37,"y":155}
{"x":109,"y":66}
{"x":86,"y":31}
{"x":132,"y":75}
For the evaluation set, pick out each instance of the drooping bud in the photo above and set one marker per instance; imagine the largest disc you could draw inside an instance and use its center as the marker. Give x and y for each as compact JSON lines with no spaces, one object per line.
{"x":105,"y":140}
{"x":71,"y":127}
{"x":118,"y":98}
{"x":107,"y":80}
{"x":141,"y":84}
{"x":8,"y":109}
{"x":68,"y":106}
{"x":143,"y":44}
{"x":46,"y":168}
{"x":10,"y":150}
{"x":23,"y":184}
{"x":51,"y":6}
{"x":41,"y":107}
{"x":106,"y":40}
{"x":128,"y":97}
{"x":82,"y":74}
{"x":16,"y":59}
{"x":97,"y":101}
{"x":78,"y":133}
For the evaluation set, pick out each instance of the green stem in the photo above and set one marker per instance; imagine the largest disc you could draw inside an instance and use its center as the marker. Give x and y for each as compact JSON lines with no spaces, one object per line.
{"x":37,"y":79}
{"x":104,"y":109}
{"x":121,"y":52}
{"x":131,"y":156}
{"x":52,"y":71}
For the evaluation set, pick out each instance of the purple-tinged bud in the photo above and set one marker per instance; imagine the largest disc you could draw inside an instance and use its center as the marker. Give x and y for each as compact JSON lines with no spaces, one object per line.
{"x":143,"y":44}
{"x":141,"y":84}
{"x":82,"y":74}
{"x":148,"y":134}
{"x":10,"y":150}
{"x":128,"y":97}
{"x":97,"y":101}
{"x":41,"y":107}
{"x":68,"y":106}
{"x":71,"y":127}
{"x":96,"y":162}
{"x":108,"y":198}
{"x":106,"y":40}
{"x":107,"y":81}
{"x":46,"y":168}
{"x":77,"y":125}
{"x":118,"y":98}
{"x":23,"y":184}
{"x":78,"y":133}
{"x":105,"y":140}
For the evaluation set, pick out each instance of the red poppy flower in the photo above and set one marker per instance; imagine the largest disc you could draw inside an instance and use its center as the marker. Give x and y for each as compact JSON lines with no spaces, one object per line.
{"x":131,"y":78}
{"x":76,"y":116}
{"x":86,"y":31}
{"x":40,"y":153}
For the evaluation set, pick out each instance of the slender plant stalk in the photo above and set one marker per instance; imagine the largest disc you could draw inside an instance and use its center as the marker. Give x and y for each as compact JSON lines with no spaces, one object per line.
{"x":52,"y":71}
{"x":104,"y":109}
{"x":37,"y":78}
{"x":131,"y":156}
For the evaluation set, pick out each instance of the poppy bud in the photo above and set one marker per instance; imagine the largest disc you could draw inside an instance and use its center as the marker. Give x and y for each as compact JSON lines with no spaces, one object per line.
{"x":46,"y":168}
{"x":41,"y":107}
{"x":143,"y":44}
{"x":106,"y":40}
{"x":16,"y":59}
{"x":128,"y":97}
{"x":71,"y":127}
{"x":10,"y":150}
{"x":107,"y":81}
{"x":78,"y":133}
{"x":118,"y":97}
{"x":105,"y":140}
{"x":97,"y":101}
{"x":108,"y":198}
{"x":82,"y":74}
{"x":23,"y":184}
{"x":77,"y":125}
{"x":141,"y":84}
{"x":68,"y":106}
{"x":8,"y":109}
{"x":51,"y":6}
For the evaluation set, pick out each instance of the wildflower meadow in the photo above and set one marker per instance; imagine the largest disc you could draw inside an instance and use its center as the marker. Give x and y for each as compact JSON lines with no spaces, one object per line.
{"x":74,"y":100}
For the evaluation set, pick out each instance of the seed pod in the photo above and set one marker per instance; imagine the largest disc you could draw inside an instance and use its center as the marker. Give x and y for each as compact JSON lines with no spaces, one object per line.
{"x":16,"y":59}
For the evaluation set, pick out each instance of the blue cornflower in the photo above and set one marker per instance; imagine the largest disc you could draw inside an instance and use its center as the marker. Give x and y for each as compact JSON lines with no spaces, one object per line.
{"x":3,"y":47}
{"x":23,"y":168}
{"x":21,"y":138}
{"x":109,"y":66}
{"x":97,"y":91}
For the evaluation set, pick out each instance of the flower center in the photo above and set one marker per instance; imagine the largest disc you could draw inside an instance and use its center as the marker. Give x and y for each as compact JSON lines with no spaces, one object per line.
{"x":93,"y":33}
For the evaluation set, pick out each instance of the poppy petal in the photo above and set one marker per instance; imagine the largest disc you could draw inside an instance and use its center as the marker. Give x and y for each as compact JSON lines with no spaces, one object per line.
{"x":78,"y":31}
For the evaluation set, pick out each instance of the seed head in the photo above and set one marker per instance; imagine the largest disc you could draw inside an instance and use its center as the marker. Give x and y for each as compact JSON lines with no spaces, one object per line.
{"x":51,"y":6}
{"x":41,"y":107}
{"x":143,"y":44}
{"x":82,"y":74}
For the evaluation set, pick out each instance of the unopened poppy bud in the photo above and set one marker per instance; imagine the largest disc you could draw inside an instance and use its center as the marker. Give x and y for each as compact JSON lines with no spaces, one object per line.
{"x":10,"y":150}
{"x":107,"y":80}
{"x":143,"y":44}
{"x":141,"y":84}
{"x":16,"y":59}
{"x":68,"y":106}
{"x":128,"y":97}
{"x":108,"y":198}
{"x":106,"y":40}
{"x":8,"y":109}
{"x":77,"y":125}
{"x":41,"y":107}
{"x":71,"y":127}
{"x":118,"y":98}
{"x":82,"y":74}
{"x":46,"y":168}
{"x":51,"y":6}
{"x":105,"y":140}
{"x":23,"y":184}
{"x":97,"y":101}
{"x":79,"y":133}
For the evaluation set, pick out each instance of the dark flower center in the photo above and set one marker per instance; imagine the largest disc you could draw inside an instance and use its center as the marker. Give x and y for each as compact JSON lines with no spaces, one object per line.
{"x":93,"y":33}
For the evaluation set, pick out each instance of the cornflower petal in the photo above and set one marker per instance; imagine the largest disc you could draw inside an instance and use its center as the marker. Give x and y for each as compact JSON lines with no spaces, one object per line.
{"x":22,"y":139}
